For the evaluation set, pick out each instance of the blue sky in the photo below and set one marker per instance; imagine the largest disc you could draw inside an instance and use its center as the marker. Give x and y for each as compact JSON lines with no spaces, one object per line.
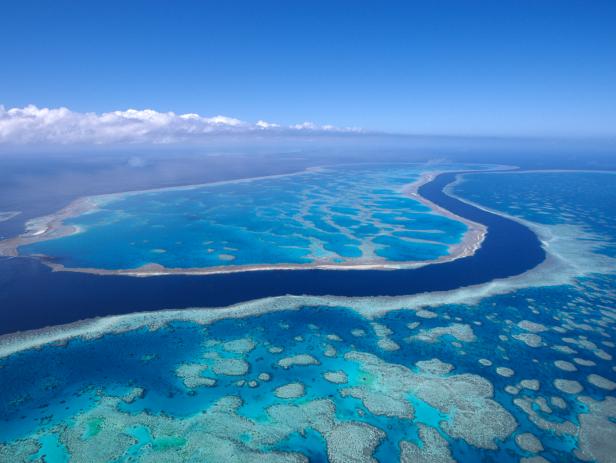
{"x":436,"y":67}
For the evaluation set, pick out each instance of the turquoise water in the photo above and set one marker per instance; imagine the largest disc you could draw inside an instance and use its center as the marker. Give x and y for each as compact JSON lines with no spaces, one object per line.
{"x":347,"y":214}
{"x":148,"y":395}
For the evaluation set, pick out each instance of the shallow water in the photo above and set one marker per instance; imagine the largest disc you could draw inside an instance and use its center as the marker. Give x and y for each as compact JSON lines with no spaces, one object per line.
{"x":64,"y":297}
{"x":147,"y":394}
{"x":346,"y":214}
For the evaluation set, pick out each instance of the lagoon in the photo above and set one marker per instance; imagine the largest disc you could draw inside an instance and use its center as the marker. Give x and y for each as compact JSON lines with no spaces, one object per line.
{"x":337,"y":217}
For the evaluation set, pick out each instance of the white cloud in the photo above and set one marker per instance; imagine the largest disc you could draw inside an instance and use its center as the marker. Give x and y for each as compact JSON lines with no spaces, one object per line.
{"x":33,"y":125}
{"x":266,"y":125}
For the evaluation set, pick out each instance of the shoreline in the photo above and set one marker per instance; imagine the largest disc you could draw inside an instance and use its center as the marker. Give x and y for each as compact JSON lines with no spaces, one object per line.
{"x":52,"y":226}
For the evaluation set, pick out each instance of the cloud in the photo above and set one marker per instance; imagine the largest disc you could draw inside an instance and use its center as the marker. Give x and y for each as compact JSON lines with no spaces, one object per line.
{"x":61,"y":126}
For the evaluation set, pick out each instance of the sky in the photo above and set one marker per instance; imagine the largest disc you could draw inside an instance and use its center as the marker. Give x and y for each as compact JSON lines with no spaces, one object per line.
{"x":464,"y":67}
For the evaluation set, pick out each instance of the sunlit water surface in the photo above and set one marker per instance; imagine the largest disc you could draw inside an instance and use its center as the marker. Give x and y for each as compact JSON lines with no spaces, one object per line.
{"x":523,"y":374}
{"x":346,"y":214}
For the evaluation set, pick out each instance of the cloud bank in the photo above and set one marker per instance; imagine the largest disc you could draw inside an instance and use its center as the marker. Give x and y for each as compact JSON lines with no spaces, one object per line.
{"x":61,"y":126}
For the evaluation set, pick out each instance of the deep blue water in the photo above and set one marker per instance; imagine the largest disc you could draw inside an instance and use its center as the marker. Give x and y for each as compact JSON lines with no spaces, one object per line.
{"x":33,"y":296}
{"x":60,"y":384}
{"x":581,"y":198}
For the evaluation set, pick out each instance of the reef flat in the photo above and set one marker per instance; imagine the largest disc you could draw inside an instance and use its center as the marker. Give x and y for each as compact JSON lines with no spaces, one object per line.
{"x":519,"y":369}
{"x":351,"y":217}
{"x":516,"y":248}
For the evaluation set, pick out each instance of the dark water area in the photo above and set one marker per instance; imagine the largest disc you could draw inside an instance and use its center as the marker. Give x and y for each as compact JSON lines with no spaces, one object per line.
{"x":32,"y":296}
